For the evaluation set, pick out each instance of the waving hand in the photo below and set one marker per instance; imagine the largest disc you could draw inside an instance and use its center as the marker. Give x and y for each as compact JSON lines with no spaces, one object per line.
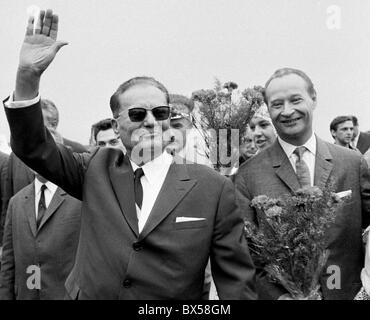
{"x":39,"y":49}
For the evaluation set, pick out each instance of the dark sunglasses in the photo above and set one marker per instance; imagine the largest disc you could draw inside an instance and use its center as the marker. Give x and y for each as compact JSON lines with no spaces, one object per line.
{"x":138,"y":114}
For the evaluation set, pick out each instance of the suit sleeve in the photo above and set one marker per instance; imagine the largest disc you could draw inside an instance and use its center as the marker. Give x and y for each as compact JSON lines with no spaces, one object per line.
{"x":3,"y":192}
{"x":7,"y":274}
{"x":232,"y":267}
{"x":266,"y":289}
{"x":365,"y":193}
{"x":35,"y":146}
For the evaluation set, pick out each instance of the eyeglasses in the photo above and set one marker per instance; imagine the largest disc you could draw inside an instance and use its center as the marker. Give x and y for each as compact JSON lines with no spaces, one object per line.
{"x":138,"y":114}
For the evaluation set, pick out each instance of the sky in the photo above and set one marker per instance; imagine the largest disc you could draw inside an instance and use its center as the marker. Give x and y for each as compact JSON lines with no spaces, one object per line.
{"x":185,"y":44}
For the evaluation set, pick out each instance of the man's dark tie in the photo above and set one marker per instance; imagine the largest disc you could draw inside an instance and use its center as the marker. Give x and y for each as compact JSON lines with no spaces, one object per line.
{"x":41,"y":207}
{"x":303,"y":173}
{"x":138,"y":187}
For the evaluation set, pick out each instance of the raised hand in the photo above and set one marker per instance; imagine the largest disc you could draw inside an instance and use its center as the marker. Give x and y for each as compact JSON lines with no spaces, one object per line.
{"x":38,"y":51}
{"x":40,"y":47}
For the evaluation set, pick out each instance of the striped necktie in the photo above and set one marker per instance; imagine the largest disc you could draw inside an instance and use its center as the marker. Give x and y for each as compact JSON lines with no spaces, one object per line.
{"x":303,"y":173}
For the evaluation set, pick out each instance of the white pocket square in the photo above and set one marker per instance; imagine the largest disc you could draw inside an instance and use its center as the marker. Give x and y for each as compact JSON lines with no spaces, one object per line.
{"x":344,"y":194}
{"x":187,"y":219}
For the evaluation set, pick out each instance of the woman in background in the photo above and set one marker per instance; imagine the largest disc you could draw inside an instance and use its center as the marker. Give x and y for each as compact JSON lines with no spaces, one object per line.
{"x":262,"y":128}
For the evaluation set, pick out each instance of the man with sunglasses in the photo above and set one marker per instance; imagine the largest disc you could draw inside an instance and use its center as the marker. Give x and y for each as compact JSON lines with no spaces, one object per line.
{"x":149,"y":224}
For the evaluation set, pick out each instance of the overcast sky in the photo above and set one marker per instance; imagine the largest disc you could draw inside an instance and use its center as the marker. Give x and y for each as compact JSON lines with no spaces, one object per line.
{"x":185,"y":44}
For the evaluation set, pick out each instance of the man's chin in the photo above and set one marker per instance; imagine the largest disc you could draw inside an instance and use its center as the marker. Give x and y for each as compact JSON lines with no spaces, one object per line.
{"x":148,"y":149}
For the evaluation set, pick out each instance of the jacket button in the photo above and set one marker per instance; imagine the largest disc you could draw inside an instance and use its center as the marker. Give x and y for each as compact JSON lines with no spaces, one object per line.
{"x":127,"y":283}
{"x":137,"y":246}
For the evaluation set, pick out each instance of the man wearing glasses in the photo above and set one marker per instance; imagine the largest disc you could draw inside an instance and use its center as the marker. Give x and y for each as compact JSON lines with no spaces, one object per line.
{"x":149,"y":224}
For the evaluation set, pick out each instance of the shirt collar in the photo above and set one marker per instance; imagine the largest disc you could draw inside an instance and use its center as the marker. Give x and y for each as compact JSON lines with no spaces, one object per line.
{"x":51,"y":186}
{"x":157,"y":168}
{"x":289,"y":148}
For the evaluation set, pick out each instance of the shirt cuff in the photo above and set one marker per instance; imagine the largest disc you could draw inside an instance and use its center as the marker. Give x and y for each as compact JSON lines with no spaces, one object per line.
{"x":11,"y":104}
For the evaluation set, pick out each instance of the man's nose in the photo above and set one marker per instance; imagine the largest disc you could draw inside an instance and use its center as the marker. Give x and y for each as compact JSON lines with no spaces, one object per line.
{"x":149,"y":120}
{"x":288,"y":109}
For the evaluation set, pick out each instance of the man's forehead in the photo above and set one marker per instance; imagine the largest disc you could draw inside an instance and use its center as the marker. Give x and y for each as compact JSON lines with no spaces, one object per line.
{"x":104,"y":135}
{"x":290,"y":84}
{"x":346,"y":124}
{"x":142,"y":94}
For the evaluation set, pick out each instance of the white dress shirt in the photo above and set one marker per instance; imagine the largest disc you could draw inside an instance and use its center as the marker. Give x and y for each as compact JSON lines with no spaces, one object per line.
{"x":49,"y":193}
{"x":308,"y":156}
{"x":155,"y":173}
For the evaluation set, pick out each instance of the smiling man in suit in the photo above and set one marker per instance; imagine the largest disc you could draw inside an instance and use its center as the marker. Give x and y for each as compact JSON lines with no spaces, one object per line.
{"x":148,"y":224}
{"x":40,"y":242}
{"x":299,"y":158}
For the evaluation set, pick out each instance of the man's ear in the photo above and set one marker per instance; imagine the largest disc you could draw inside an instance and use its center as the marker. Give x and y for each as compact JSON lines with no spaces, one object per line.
{"x":115,"y":126}
{"x":314,"y":99}
{"x":333,"y":134}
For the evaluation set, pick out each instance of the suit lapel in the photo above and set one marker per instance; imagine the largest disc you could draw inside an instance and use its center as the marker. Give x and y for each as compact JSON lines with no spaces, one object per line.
{"x":360,"y":142}
{"x":176,"y":185}
{"x":122,"y":178}
{"x":29,"y":208}
{"x":56,"y":201}
{"x":323,"y":164}
{"x":283,"y":167}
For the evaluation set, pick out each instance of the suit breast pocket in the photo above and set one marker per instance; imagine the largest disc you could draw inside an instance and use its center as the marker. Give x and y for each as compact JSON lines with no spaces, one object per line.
{"x":189,"y":225}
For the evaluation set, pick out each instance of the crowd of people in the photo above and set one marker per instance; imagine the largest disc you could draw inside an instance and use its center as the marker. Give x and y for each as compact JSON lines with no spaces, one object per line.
{"x":140,"y":212}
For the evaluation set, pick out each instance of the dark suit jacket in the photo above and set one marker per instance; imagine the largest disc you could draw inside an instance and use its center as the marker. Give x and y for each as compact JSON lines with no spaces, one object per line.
{"x":167,"y":259}
{"x":363,"y":143}
{"x":271,"y":173}
{"x":3,"y":193}
{"x":52,"y":247}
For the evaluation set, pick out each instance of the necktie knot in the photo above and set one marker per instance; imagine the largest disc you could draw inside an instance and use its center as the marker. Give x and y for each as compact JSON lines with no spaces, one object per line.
{"x":299,"y":152}
{"x":139,"y":173}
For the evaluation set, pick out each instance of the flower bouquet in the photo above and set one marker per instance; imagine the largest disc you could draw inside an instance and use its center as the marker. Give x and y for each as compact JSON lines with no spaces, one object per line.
{"x":289,"y":242}
{"x":223,"y":116}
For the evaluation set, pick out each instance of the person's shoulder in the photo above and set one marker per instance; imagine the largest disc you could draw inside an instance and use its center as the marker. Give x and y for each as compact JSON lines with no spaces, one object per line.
{"x":69,"y":200}
{"x":365,"y":134}
{"x":259,"y":161}
{"x":340,"y":151}
{"x":344,"y":157}
{"x":24,"y":193}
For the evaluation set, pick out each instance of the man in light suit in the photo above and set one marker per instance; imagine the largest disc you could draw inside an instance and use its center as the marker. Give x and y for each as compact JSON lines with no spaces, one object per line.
{"x":280,"y":169}
{"x":148,"y":224}
{"x":40,"y":242}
